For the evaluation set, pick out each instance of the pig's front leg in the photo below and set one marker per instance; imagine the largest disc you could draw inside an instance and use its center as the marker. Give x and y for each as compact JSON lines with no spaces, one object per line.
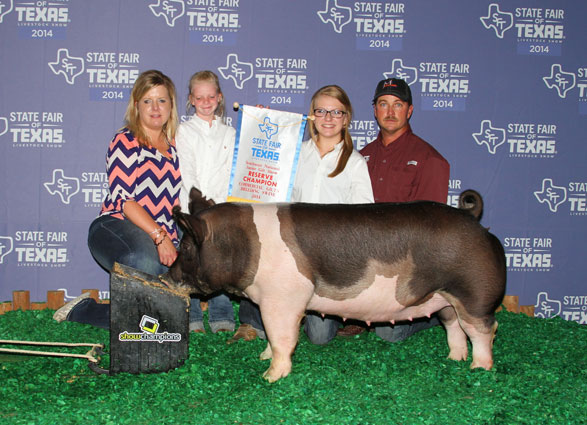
{"x":282,"y":326}
{"x":267,"y":353}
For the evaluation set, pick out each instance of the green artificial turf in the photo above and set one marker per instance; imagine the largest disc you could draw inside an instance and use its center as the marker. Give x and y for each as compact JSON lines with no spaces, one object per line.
{"x":539,"y":377}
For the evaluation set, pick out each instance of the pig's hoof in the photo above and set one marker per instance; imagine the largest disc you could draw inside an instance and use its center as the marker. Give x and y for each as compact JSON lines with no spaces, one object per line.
{"x":458,"y":354}
{"x":273,"y":375}
{"x":267,"y":353}
{"x":486,"y":364}
{"x":269,"y":377}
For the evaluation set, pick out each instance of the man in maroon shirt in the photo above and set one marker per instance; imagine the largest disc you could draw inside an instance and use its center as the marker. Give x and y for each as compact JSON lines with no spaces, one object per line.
{"x":403,"y":168}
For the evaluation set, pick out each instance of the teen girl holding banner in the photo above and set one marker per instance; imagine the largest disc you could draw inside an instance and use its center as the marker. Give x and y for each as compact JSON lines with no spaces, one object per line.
{"x":330,"y":171}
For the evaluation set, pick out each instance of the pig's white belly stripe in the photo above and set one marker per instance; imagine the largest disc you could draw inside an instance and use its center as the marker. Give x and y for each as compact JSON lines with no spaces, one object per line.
{"x":377,"y":303}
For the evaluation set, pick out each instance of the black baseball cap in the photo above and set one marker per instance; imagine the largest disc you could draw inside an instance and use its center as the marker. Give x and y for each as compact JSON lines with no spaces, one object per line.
{"x":393,"y":86}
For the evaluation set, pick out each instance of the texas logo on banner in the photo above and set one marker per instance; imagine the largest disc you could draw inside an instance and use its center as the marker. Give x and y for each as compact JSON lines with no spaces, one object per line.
{"x":266,"y":153}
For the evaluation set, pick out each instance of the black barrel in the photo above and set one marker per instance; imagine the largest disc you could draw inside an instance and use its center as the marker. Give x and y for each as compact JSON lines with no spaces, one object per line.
{"x":149,"y":323}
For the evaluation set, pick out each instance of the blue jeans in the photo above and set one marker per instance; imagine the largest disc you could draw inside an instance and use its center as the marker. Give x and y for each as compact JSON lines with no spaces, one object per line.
{"x":220,"y":314}
{"x":320,"y":331}
{"x":249,"y":314}
{"x":403,"y":330}
{"x":112,"y":240}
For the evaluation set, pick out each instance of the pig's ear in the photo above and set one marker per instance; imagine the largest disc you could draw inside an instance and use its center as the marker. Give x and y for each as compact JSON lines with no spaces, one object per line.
{"x":199,"y":202}
{"x":190,"y":225}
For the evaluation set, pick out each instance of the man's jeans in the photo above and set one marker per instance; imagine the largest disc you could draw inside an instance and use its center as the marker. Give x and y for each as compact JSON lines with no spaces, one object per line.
{"x":319,"y":330}
{"x":220,"y":314}
{"x":249,"y":314}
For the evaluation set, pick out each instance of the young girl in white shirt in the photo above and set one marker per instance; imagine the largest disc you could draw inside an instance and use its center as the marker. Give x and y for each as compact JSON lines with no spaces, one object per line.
{"x":205,"y":147}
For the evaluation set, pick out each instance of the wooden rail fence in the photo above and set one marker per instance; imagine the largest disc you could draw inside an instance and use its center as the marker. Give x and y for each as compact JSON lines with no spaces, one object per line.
{"x":21,"y":300}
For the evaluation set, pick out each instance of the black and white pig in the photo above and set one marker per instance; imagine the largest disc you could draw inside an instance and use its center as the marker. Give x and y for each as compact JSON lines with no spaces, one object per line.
{"x":373,"y":262}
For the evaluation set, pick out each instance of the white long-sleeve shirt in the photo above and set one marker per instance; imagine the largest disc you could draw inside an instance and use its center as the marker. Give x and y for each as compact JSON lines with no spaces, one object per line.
{"x":312,"y":184}
{"x":205,"y":158}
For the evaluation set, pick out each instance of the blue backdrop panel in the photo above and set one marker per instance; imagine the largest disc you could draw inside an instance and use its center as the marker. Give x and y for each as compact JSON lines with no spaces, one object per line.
{"x":500,"y":89}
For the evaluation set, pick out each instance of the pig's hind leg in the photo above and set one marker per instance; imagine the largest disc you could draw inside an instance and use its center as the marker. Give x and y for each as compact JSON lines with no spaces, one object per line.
{"x":457,"y":339}
{"x":481,"y":337}
{"x":459,"y":325}
{"x":481,"y":293}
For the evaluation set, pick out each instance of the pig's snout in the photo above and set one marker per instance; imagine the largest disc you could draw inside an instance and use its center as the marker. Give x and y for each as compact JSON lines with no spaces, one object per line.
{"x":167,"y":280}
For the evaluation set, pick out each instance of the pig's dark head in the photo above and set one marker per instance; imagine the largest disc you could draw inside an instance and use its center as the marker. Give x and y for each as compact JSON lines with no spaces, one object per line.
{"x":219,"y":250}
{"x":186,"y":272}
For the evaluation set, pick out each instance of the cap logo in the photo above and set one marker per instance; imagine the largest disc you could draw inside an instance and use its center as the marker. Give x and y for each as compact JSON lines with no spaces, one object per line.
{"x":389,"y":84}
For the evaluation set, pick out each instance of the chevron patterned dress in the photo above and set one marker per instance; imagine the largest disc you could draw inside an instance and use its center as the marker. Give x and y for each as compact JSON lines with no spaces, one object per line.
{"x":144,"y":175}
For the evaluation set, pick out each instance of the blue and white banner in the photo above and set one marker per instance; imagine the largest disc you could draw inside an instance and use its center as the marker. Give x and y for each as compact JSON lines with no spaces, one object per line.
{"x":266,"y":153}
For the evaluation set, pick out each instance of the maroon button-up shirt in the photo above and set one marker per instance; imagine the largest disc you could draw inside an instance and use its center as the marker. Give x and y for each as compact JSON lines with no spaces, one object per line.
{"x":408,"y":169}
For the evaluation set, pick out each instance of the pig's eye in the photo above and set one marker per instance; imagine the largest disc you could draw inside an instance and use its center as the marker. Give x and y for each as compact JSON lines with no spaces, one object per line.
{"x":185,"y":246}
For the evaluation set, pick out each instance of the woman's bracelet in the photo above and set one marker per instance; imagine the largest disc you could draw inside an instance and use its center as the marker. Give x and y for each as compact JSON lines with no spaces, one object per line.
{"x":161,"y":240}
{"x":157,"y":230}
{"x":157,"y":233}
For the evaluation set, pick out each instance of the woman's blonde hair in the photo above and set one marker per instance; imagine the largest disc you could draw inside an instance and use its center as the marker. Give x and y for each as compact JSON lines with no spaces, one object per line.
{"x":145,"y":82}
{"x":205,"y":77}
{"x":347,"y":147}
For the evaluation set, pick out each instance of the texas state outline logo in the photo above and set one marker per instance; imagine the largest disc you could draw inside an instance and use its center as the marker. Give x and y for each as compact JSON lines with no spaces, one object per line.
{"x":6,"y":247}
{"x":62,"y":186}
{"x":336,"y":15}
{"x":497,"y":20}
{"x":398,"y":70}
{"x":237,"y":71}
{"x":546,"y":308}
{"x":6,"y":7}
{"x":270,"y":129}
{"x":491,"y":137}
{"x":69,"y":66}
{"x":170,"y":10}
{"x":560,"y":80}
{"x":551,"y":195}
{"x":3,"y":126}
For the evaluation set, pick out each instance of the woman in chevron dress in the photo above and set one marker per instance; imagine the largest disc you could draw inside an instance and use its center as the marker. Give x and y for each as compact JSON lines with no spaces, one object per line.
{"x":135,"y":226}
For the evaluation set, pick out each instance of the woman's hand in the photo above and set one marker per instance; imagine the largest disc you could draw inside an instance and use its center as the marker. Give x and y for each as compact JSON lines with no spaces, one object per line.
{"x":139,"y":216}
{"x":167,"y":252}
